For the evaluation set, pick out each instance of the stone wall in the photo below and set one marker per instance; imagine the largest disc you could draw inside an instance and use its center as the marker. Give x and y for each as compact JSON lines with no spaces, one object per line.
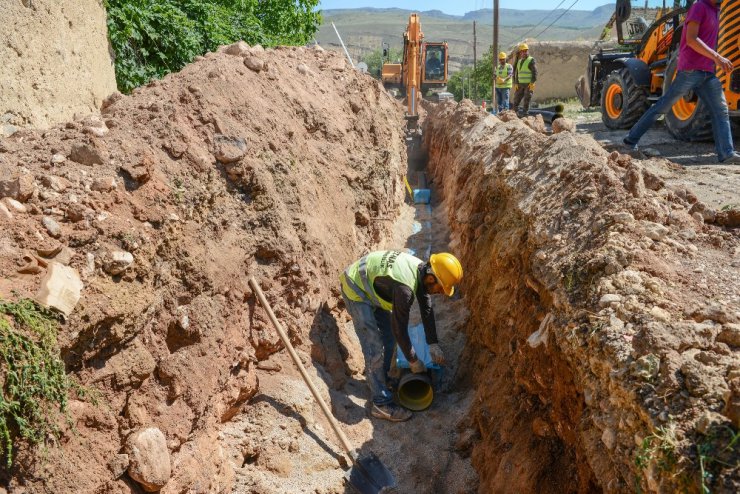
{"x":55,"y":61}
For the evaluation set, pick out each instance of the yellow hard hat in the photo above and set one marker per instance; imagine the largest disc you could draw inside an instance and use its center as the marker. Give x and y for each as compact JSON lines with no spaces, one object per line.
{"x":502,"y":56}
{"x":523,"y":46}
{"x":448,"y":271}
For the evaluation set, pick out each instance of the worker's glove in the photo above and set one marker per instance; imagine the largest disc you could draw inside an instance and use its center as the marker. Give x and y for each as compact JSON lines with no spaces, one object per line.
{"x":531,"y":86}
{"x":417,"y":366}
{"x":516,"y":87}
{"x":438,"y":357}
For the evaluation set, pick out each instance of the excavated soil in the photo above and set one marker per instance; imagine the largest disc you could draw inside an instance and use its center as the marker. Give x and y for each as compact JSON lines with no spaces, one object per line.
{"x":284,"y":165}
{"x":603,"y":335}
{"x":593,"y":345}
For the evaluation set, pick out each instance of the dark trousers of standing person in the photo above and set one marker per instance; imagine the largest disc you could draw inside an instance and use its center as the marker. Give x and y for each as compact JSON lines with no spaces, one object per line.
{"x":523,"y":95}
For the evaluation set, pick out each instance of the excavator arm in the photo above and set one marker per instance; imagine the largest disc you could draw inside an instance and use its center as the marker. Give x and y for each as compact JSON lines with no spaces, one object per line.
{"x":412,"y":40}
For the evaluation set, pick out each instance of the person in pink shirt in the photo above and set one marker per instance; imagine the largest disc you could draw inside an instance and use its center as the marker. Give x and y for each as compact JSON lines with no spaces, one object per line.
{"x":697,"y":57}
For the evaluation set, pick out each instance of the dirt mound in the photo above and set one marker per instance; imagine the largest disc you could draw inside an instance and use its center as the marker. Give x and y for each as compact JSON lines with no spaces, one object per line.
{"x":604,"y":313}
{"x":281,"y":164}
{"x":55,"y":62}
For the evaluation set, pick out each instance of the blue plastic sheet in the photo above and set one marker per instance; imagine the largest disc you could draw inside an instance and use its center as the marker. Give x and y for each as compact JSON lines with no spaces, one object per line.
{"x":419,"y":342}
{"x":422,"y":196}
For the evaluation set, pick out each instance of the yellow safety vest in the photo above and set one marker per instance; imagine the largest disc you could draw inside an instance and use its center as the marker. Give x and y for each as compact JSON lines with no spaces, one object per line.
{"x":357,"y":280}
{"x":502,"y":72}
{"x":523,"y":72}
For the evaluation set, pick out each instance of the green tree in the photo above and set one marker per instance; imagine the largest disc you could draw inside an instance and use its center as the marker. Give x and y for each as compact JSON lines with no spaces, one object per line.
{"x":375,"y":60}
{"x":151,"y":38}
{"x":482,"y":78}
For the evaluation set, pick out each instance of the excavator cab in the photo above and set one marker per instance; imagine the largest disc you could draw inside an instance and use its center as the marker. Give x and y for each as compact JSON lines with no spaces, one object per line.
{"x":434,"y":72}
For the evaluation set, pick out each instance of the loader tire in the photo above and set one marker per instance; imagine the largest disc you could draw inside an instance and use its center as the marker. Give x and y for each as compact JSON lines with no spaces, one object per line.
{"x":622,"y":101}
{"x":689,"y":118}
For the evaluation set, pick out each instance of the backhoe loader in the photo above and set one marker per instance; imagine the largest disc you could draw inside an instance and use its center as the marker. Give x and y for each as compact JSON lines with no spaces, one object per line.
{"x":627,"y":80}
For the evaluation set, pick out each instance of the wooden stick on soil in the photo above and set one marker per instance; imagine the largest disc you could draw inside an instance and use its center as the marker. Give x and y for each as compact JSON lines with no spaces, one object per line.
{"x":283,"y":336}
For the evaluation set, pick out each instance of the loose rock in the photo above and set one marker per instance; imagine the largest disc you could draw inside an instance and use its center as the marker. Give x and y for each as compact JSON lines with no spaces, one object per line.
{"x":229,"y":149}
{"x":104,"y":184}
{"x":655,"y":231}
{"x":239,"y":48}
{"x":60,"y":288}
{"x":86,"y":154}
{"x":563,"y":125}
{"x":19,"y":188}
{"x":149,"y":459}
{"x":254,"y":62}
{"x":14,"y":205}
{"x":52,"y":226}
{"x":609,"y":299}
{"x":117,"y":262}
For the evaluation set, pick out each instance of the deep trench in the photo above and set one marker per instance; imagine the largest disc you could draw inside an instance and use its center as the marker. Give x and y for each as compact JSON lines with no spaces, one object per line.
{"x":511,"y":446}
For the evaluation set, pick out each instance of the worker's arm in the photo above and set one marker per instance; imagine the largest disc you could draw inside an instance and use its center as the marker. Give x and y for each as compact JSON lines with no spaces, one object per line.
{"x":403,"y":298}
{"x":509,"y":73}
{"x":533,"y":68}
{"x":699,"y":46}
{"x":427,"y":314}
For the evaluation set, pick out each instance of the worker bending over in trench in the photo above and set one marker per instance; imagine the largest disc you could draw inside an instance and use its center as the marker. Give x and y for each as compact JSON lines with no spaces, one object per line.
{"x":379,"y":290}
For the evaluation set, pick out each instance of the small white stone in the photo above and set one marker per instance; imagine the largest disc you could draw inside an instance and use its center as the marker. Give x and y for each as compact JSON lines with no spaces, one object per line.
{"x":14,"y":205}
{"x":609,"y":299}
{"x":624,"y":217}
{"x":118,"y":261}
{"x":660,"y":314}
{"x":58,"y":158}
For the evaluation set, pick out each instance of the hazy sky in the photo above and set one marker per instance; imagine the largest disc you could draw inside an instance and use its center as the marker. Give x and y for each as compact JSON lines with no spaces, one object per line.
{"x":459,"y":7}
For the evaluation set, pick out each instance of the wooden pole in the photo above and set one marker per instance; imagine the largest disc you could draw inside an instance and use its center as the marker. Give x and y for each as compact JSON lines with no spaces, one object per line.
{"x":494,"y":55}
{"x":288,"y":346}
{"x":475,"y":63}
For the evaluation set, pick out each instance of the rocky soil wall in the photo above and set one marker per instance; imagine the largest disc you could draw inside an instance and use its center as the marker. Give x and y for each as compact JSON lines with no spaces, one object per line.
{"x":283,"y":164}
{"x":55,"y":61}
{"x":604,"y":330}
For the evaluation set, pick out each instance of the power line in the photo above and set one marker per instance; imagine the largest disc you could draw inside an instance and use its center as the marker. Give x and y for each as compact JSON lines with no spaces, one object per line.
{"x":543,"y":19}
{"x":556,"y":20}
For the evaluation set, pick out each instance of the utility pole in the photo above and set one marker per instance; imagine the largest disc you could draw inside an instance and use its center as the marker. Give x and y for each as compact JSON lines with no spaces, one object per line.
{"x":475,"y":62}
{"x":494,"y":55}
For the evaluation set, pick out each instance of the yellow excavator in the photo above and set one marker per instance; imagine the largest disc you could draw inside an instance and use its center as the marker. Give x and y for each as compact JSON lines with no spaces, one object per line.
{"x":423,"y":68}
{"x":627,"y":80}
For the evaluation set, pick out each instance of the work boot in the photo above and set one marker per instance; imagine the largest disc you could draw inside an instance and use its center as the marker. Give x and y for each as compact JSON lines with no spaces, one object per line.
{"x":629,"y":145}
{"x":734,"y":159}
{"x":391,"y":412}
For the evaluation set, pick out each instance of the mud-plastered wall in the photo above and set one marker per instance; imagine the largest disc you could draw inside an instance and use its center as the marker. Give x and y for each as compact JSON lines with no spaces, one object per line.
{"x":55,"y":61}
{"x":559,"y":64}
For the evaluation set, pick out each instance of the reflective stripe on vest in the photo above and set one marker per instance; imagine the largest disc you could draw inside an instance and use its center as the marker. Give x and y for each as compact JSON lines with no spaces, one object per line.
{"x":523,"y":72}
{"x":357,"y":279}
{"x":502,"y":72}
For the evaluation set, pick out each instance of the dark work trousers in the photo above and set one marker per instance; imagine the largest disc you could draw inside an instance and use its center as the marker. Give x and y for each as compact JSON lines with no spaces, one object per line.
{"x":523,"y":95}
